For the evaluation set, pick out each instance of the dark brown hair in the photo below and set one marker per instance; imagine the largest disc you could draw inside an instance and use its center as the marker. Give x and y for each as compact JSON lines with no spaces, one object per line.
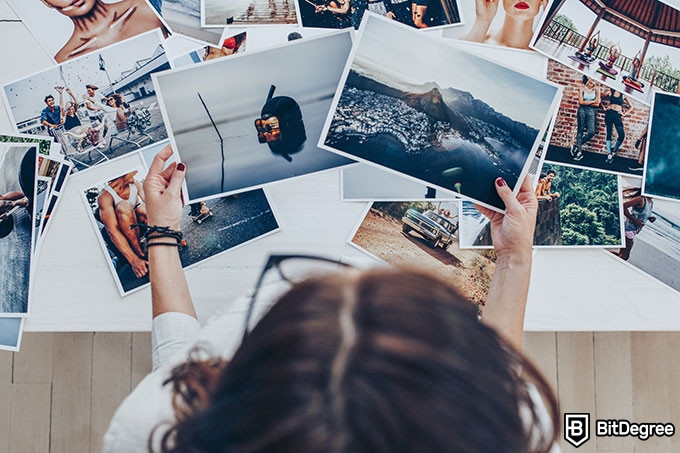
{"x":383,"y":361}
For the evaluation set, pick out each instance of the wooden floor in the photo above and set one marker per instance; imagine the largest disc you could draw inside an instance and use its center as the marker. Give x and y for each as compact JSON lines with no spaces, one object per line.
{"x":59,"y":393}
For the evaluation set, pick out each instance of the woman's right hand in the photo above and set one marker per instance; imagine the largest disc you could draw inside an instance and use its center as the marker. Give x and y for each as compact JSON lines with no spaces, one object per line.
{"x":512,"y":233}
{"x":162,"y":191}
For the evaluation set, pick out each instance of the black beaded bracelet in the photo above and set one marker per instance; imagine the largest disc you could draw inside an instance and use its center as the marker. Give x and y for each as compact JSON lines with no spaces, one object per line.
{"x":173,"y":244}
{"x":148,"y":230}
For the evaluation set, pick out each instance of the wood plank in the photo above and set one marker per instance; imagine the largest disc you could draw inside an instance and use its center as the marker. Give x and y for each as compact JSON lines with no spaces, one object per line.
{"x":576,"y":380}
{"x":673,"y":339}
{"x":72,"y":386}
{"x":6,"y":364}
{"x":30,"y":425}
{"x":33,"y":364}
{"x":5,"y":415}
{"x":613,"y":387}
{"x":541,"y":348}
{"x":651,"y":392}
{"x":141,"y":357}
{"x":111,"y":360}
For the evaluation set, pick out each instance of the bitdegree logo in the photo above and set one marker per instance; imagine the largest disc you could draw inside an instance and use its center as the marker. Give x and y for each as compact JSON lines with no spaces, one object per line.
{"x":624,"y":428}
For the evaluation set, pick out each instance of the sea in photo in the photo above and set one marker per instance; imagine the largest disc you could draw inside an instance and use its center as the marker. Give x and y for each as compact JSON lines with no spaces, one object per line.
{"x":211,"y":112}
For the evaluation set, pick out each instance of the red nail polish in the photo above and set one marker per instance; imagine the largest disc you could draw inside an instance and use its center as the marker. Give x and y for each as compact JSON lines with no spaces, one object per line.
{"x":181,"y":166}
{"x":500,"y":182}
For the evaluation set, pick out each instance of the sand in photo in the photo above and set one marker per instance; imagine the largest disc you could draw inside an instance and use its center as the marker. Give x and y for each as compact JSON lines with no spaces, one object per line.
{"x":220,"y":13}
{"x":114,"y":107}
{"x":663,"y":148}
{"x":87,"y":26}
{"x":563,"y":147}
{"x":632,"y":47}
{"x":17,"y":173}
{"x":381,"y":234}
{"x":406,"y":106}
{"x":229,"y":155}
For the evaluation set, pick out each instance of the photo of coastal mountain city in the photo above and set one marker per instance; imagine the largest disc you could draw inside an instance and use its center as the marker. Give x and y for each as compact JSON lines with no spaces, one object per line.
{"x":335,"y":225}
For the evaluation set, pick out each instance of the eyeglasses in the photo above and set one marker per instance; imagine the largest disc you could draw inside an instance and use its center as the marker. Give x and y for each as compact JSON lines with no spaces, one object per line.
{"x":291,"y":269}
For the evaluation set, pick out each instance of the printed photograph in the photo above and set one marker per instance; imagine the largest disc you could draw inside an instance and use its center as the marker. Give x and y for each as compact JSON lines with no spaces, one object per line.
{"x":630,"y":46}
{"x":57,"y":172}
{"x":44,"y":143}
{"x":362,"y":182}
{"x":184,"y":17}
{"x":405,"y":105}
{"x":597,"y":127}
{"x":97,"y":107}
{"x":662,"y":167}
{"x":209,"y":227}
{"x":652,"y":234}
{"x":42,"y":190}
{"x":348,"y":13}
{"x":229,"y":46}
{"x":17,"y":185}
{"x":10,"y":333}
{"x":265,"y":37}
{"x":576,"y":207}
{"x":220,"y":13}
{"x":256,"y":118}
{"x":424,"y":235}
{"x":70,"y":29}
{"x":506,"y":23}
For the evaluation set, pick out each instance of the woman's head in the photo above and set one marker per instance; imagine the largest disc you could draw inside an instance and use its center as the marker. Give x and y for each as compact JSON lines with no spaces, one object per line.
{"x":381,"y":361}
{"x":70,"y":109}
{"x":523,"y":9}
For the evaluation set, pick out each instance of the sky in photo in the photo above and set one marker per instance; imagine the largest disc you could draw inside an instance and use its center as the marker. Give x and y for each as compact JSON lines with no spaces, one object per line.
{"x":394,"y":54}
{"x":26,"y":96}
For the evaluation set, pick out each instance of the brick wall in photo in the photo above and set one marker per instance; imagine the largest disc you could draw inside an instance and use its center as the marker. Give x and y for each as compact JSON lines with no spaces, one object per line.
{"x":564,"y":132}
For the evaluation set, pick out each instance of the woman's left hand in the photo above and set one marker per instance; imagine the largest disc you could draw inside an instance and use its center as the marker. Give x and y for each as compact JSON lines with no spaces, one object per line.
{"x":162,"y":189}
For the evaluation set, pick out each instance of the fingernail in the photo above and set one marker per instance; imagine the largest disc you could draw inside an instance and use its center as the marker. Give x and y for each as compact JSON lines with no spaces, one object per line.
{"x":500,"y":182}
{"x":181,"y":166}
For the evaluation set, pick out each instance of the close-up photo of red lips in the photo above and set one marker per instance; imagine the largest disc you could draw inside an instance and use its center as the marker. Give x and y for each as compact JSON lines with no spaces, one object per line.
{"x":521,"y":5}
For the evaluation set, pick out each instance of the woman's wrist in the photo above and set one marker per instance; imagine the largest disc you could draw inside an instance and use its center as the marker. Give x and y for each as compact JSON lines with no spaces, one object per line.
{"x":514,"y":258}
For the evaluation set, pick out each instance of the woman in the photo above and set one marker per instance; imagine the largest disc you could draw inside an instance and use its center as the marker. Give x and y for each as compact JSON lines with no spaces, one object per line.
{"x":97,"y":24}
{"x":121,"y":109}
{"x":632,"y":77}
{"x":384,"y":360}
{"x":638,"y":210}
{"x":517,"y":28}
{"x":72,"y":126}
{"x":589,"y":100}
{"x":615,"y":111}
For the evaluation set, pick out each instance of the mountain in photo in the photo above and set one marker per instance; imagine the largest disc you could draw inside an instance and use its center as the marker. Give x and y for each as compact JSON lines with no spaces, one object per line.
{"x":440,"y":135}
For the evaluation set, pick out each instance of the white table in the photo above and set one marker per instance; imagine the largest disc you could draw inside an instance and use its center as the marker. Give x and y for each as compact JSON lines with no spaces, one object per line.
{"x":581,"y":290}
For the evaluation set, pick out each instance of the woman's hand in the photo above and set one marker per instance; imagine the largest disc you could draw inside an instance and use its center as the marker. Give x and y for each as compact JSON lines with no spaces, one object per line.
{"x":486,"y":10}
{"x":512,"y":233}
{"x":162,"y":189}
